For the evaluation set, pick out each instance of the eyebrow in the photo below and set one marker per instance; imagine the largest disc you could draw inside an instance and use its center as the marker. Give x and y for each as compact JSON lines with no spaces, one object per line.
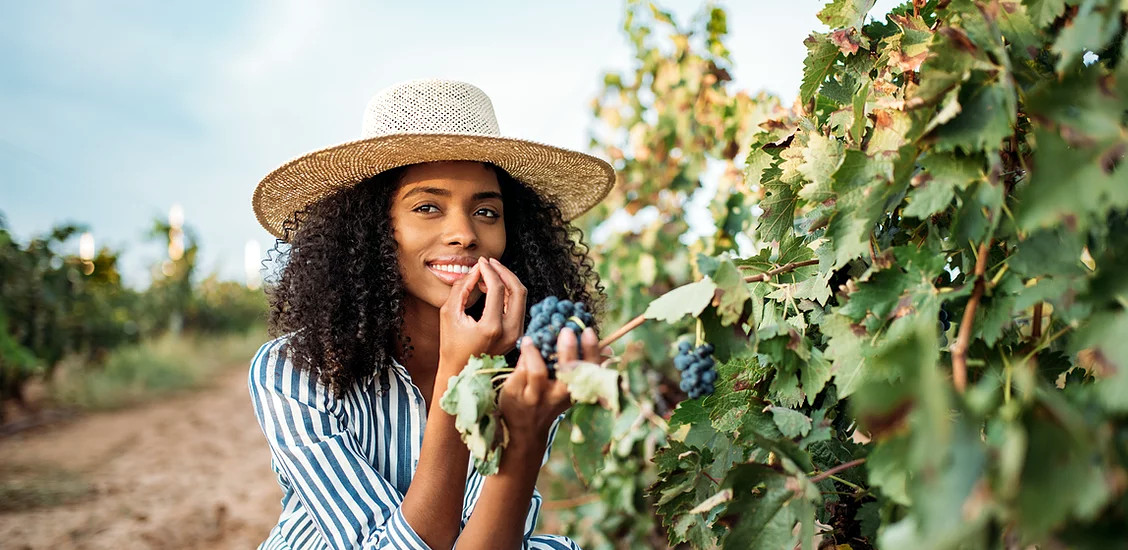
{"x":446,"y":193}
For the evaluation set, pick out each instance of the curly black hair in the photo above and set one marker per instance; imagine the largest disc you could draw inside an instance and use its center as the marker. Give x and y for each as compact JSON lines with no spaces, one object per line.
{"x":340,"y":294}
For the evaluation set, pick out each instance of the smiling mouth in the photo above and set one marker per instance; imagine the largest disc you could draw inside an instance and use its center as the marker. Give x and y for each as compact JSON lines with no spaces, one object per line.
{"x":449,"y":272}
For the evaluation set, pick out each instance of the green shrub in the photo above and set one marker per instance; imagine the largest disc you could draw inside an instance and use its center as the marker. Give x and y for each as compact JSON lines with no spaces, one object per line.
{"x":153,"y":368}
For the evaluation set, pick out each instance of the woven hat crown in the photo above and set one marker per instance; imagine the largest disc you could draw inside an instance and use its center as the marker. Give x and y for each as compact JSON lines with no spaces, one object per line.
{"x":430,"y":107}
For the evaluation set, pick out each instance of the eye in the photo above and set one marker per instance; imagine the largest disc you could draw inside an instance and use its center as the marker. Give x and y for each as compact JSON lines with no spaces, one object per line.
{"x":426,"y":209}
{"x":488,"y":212}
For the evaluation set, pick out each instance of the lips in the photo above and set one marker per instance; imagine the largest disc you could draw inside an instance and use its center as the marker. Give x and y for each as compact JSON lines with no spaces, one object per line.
{"x":451,"y":268}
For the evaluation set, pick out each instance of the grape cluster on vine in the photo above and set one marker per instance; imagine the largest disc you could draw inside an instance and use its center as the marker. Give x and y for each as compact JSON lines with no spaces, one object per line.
{"x":549,"y":317}
{"x":945,"y":324}
{"x":696,"y":368}
{"x":945,"y":320}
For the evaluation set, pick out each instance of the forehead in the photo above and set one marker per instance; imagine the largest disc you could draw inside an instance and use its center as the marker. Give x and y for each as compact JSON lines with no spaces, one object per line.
{"x":455,"y":176}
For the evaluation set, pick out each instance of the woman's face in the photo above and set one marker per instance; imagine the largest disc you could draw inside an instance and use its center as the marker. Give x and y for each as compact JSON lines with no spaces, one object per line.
{"x":445,"y":215}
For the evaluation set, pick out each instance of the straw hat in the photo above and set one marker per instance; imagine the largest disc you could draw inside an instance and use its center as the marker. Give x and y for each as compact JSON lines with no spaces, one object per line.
{"x":425,"y":121}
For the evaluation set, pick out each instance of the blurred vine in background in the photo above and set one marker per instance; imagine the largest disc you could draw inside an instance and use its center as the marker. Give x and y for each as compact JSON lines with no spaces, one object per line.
{"x":55,"y":305}
{"x":922,"y":340}
{"x":673,"y":126}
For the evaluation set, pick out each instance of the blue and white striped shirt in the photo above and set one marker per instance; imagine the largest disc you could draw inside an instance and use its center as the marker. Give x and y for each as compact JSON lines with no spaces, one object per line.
{"x":344,"y":464}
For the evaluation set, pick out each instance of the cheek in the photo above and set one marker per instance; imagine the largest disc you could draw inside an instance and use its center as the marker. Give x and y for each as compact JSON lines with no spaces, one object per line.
{"x":407,"y":245}
{"x":496,"y":240}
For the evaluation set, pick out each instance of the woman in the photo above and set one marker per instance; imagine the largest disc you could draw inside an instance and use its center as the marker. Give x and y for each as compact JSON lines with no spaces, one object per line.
{"x":410,"y":251}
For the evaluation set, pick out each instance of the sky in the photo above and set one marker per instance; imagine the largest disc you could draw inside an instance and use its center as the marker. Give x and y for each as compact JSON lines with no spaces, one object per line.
{"x":114,"y":111}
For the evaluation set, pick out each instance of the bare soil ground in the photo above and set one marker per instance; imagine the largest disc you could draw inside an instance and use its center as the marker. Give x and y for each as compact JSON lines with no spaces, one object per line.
{"x":191,"y":471}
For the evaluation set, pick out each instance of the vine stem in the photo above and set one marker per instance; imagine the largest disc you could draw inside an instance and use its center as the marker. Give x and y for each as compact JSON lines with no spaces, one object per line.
{"x":623,"y":330}
{"x":759,"y":278}
{"x":959,"y":348}
{"x":782,"y":269}
{"x":836,"y":469}
{"x":495,"y":371}
{"x":1036,"y":328}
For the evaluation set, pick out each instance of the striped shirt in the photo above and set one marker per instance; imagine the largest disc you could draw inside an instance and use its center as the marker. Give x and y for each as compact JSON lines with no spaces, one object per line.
{"x":345,"y":463}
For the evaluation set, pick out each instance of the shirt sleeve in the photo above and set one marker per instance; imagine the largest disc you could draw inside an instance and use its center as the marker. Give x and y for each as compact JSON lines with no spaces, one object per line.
{"x":474,"y":482}
{"x":352,"y":505}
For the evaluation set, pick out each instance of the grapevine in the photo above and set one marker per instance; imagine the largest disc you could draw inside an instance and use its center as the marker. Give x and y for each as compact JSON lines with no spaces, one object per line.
{"x":949,"y":169}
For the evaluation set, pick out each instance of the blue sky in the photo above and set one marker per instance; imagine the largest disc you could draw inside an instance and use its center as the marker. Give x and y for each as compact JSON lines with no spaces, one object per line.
{"x":113,"y":111}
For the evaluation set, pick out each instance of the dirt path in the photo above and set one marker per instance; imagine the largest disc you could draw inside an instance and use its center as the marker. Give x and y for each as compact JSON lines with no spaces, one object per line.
{"x":191,"y":471}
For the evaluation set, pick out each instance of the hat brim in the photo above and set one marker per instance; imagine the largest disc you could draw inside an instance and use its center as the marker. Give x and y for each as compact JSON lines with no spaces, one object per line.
{"x":572,"y":180}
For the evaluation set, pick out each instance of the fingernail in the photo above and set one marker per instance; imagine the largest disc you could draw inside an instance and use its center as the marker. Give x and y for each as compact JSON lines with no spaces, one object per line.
{"x":526,"y":341}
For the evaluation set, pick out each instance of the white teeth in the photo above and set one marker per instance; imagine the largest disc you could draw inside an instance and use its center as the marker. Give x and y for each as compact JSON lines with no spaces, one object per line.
{"x":451,"y":268}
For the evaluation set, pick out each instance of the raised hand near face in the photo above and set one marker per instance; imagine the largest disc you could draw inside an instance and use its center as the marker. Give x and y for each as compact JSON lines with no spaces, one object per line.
{"x":501,"y":322}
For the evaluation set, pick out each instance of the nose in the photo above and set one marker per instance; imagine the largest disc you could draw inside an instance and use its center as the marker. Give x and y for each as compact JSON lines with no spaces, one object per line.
{"x":458,"y":230}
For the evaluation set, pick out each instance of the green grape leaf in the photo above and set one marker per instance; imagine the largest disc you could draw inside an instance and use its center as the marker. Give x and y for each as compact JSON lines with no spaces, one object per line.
{"x":1080,"y":105}
{"x":821,"y":159}
{"x":1062,"y":474}
{"x":688,"y":413}
{"x":847,"y":348}
{"x":689,"y":299}
{"x":821,"y":53}
{"x":1070,"y":185}
{"x":1103,"y":344}
{"x":1094,"y":25}
{"x":592,"y":383}
{"x":858,"y":108}
{"x":1043,"y":12}
{"x":686,"y":499}
{"x":472,"y":399}
{"x":814,"y":375}
{"x":845,"y":13}
{"x":594,"y":424}
{"x":886,"y":468}
{"x":734,"y":292}
{"x":859,"y":207}
{"x":942,"y":174}
{"x":985,"y":120}
{"x":789,"y":249}
{"x":760,"y":514}
{"x":791,"y":423}
{"x":891,"y":129}
{"x":778,"y":206}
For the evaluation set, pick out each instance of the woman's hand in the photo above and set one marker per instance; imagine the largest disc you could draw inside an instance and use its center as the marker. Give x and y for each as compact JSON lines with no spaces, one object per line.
{"x":529,"y":401}
{"x":502,"y":320}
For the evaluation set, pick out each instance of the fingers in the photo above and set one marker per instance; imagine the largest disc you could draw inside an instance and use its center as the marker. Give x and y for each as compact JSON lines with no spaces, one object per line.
{"x":590,"y":344}
{"x":560,"y":399}
{"x":460,"y":291}
{"x":518,"y":379}
{"x":536,"y":371}
{"x":514,"y":299}
{"x":566,"y":347}
{"x":495,"y":293}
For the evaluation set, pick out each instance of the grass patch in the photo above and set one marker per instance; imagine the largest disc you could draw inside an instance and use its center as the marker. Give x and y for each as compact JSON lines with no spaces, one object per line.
{"x":153,"y":368}
{"x":27,"y":486}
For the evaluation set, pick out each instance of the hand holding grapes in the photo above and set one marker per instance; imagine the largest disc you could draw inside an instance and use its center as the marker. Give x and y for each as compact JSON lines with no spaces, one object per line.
{"x":529,"y":400}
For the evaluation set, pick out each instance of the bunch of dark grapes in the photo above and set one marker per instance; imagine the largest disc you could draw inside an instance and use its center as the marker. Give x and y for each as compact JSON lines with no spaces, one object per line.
{"x":549,"y":317}
{"x":696,"y":367}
